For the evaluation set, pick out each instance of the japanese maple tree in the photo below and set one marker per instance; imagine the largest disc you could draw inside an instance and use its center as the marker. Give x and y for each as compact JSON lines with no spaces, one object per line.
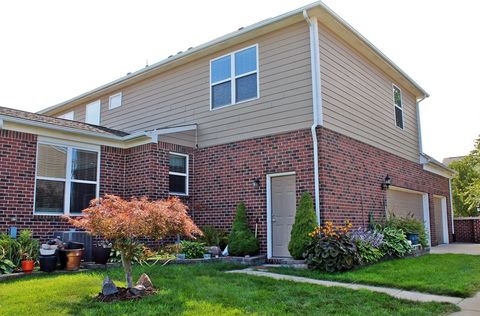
{"x":125,"y":222}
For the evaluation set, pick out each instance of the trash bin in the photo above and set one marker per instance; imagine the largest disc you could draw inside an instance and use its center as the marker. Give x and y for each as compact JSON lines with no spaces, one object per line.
{"x":48,"y":263}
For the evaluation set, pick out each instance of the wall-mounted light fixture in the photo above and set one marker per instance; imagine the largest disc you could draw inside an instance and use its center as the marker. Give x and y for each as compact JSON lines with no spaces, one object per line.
{"x":256,"y":182}
{"x":386,"y":183}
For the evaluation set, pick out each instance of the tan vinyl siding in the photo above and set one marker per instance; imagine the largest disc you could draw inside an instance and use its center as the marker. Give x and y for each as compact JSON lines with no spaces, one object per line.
{"x":358,"y":100}
{"x":182,"y":95}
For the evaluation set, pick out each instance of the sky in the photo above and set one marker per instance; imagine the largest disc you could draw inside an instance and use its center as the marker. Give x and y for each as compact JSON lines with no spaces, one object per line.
{"x":52,"y":50}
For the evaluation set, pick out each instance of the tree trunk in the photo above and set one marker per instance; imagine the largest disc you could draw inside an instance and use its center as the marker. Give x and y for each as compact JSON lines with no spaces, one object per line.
{"x":127,"y":267}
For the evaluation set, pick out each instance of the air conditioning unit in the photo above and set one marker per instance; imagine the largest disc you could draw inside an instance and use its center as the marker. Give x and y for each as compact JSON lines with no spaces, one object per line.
{"x":77,"y":236}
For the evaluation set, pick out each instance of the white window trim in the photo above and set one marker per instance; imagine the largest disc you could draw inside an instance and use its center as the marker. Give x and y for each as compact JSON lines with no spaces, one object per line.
{"x":67,"y":116}
{"x":68,"y":180}
{"x":180,"y":174}
{"x":110,"y":107}
{"x":233,"y":78}
{"x":395,"y":107}
{"x":91,"y":104}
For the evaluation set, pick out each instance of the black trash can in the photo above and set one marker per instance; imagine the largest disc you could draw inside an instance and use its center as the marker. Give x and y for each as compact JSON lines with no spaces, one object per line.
{"x":48,"y":263}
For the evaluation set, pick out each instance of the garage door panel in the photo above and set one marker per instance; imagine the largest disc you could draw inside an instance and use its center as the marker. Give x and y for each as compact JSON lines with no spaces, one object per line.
{"x":403,"y":203}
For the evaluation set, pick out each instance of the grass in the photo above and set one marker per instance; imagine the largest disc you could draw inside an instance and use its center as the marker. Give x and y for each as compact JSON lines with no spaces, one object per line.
{"x":199,"y":290}
{"x":448,"y":274}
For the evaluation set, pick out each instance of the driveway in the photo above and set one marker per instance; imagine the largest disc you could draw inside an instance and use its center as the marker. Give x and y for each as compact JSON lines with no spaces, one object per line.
{"x":458,"y":248}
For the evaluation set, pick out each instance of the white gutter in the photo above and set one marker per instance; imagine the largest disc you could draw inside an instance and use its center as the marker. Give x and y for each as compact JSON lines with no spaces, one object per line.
{"x":317,"y":103}
{"x":451,"y":204}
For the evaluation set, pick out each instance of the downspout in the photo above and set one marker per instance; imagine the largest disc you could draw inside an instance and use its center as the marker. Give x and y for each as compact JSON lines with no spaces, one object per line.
{"x":451,"y":207}
{"x":317,"y":102}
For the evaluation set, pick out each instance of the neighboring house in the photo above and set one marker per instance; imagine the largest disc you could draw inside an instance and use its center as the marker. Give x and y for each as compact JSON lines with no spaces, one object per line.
{"x":447,"y":161}
{"x":299,"y":102}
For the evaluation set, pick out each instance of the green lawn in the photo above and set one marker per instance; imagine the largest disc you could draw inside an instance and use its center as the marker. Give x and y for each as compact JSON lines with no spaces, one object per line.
{"x":449,"y":274}
{"x":199,"y":290}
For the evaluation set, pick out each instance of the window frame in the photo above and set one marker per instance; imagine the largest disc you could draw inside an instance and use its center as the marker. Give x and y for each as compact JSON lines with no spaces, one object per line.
{"x":68,"y":176}
{"x":186,"y":175}
{"x":233,"y":78}
{"x":99,"y":111}
{"x":119,"y":94}
{"x":395,"y":106}
{"x":67,"y":115}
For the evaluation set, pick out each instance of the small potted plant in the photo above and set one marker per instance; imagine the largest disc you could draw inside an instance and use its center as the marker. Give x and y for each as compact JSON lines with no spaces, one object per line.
{"x":28,"y":248}
{"x":101,"y":252}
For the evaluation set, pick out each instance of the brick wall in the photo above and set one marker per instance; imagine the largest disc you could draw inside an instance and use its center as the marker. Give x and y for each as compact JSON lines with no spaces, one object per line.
{"x":467,"y":229}
{"x":224,"y":176}
{"x":351,"y":173}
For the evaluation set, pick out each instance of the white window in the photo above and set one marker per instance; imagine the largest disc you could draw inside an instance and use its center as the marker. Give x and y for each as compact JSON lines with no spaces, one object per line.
{"x":234,"y":78}
{"x":398,"y":103}
{"x":66,"y":179}
{"x":178,"y":174}
{"x":114,"y":101}
{"x":67,"y":116}
{"x":92,"y":115}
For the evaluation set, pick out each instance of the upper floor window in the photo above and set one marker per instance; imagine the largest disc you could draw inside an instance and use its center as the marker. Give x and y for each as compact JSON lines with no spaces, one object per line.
{"x":234,"y":77}
{"x":66,"y":179}
{"x":92,"y":113}
{"x":178,"y":174}
{"x":398,"y":102}
{"x":67,"y":116}
{"x":114,"y":101}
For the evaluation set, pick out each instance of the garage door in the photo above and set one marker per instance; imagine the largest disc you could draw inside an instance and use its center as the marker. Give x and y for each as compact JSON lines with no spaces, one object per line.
{"x":402,"y":203}
{"x":440,"y":214}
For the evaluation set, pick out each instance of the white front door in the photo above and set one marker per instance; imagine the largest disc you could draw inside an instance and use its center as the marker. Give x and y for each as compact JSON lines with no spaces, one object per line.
{"x":283,"y":205}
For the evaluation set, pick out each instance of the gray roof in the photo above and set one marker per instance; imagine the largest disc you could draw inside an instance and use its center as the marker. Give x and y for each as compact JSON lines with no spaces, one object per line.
{"x":59,"y":122}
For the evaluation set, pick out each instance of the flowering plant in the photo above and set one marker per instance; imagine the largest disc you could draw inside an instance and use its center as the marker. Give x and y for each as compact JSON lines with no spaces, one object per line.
{"x":330,"y":230}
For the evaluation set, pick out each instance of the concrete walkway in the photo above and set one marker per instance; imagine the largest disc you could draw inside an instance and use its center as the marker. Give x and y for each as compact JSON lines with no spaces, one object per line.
{"x":457,"y":248}
{"x":469,"y":306}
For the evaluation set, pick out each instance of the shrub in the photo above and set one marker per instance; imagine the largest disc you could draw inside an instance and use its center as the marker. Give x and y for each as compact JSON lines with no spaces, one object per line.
{"x":6,"y":265}
{"x":304,"y":223}
{"x":395,"y":242}
{"x":242,"y":241}
{"x":28,"y":246}
{"x":410,"y":225}
{"x":330,"y":249}
{"x":192,"y":249}
{"x":11,"y":250}
{"x":368,"y":244}
{"x":141,"y":253}
{"x":214,"y":237}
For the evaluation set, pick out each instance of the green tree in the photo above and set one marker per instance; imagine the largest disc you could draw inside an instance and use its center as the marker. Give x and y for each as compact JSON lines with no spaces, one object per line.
{"x":466,"y":183}
{"x":242,"y":241}
{"x":305,"y":222}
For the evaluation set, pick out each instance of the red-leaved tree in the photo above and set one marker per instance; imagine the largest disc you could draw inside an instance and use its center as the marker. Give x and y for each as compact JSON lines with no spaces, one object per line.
{"x":125,"y":222}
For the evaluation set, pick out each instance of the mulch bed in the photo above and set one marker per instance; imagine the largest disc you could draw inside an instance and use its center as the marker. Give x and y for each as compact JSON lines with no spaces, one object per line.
{"x":123,"y":295}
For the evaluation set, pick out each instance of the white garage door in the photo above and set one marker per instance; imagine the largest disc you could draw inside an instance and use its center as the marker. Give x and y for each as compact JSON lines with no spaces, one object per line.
{"x":403,"y":203}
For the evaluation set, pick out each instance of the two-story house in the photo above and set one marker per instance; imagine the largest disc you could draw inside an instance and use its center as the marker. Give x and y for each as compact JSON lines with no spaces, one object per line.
{"x":299,"y":102}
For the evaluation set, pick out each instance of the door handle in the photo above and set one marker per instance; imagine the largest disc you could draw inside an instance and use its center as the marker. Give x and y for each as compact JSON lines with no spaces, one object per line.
{"x":274,"y":220}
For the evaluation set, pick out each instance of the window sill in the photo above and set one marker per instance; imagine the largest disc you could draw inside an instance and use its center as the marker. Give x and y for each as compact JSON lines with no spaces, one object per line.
{"x":178,"y":194}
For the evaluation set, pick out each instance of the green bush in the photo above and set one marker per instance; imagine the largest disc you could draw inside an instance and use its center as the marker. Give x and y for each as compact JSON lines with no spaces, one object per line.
{"x":214,"y":237}
{"x":395,"y":242}
{"x":241,"y":240}
{"x":410,"y":225}
{"x":11,"y":250}
{"x":6,"y":265}
{"x":368,"y":253}
{"x":28,"y":246}
{"x":331,"y":254}
{"x":305,"y":222}
{"x":192,"y":249}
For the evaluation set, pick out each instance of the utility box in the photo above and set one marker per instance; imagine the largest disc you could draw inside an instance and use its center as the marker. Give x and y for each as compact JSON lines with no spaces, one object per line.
{"x":77,"y":236}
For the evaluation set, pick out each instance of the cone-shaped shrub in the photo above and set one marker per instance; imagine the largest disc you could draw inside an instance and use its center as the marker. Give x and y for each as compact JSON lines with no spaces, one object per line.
{"x":242,"y":241}
{"x":305,"y":222}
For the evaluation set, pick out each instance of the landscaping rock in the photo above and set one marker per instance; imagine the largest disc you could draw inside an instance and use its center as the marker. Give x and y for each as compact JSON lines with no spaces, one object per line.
{"x":108,"y":287}
{"x":214,"y":251}
{"x":145,"y":281}
{"x":138,"y":290}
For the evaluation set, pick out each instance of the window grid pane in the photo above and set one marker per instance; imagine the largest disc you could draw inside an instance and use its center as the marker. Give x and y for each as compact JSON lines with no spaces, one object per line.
{"x":246,"y":87}
{"x":246,"y":61}
{"x":178,"y":163}
{"x":49,"y":196}
{"x":84,"y":165}
{"x":80,"y":196}
{"x":51,"y":161}
{"x":397,"y":97}
{"x":222,"y":94}
{"x":398,"y":117}
{"x":221,"y":69}
{"x":177,"y":184}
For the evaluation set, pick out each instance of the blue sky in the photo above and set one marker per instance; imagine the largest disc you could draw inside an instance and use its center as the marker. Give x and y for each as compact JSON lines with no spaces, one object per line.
{"x":55,"y":50}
